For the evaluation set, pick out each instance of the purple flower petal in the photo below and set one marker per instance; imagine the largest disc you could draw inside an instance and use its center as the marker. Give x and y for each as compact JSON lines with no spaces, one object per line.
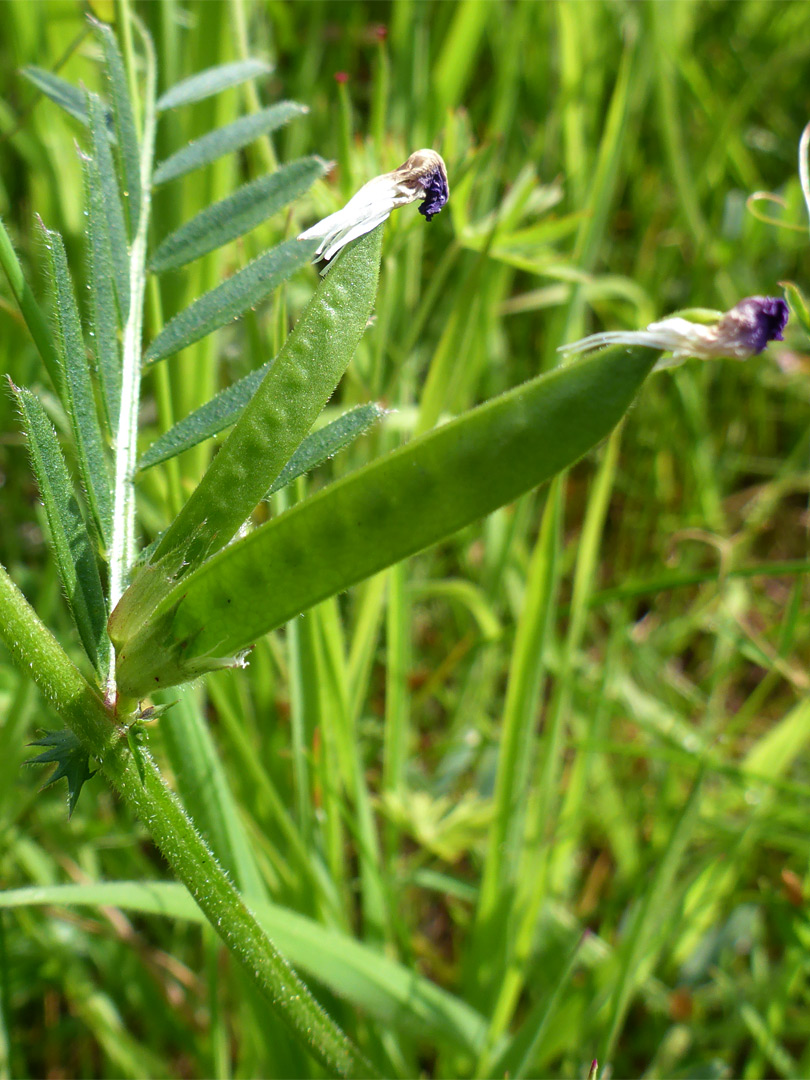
{"x":436,"y":193}
{"x":754,"y":322}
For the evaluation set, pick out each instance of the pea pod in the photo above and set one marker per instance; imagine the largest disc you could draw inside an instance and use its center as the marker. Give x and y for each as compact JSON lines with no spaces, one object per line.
{"x":298,"y":384}
{"x":397,"y":505}
{"x":294,"y":391}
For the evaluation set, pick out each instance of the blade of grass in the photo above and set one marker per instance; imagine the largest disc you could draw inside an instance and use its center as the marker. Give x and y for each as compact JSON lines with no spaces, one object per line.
{"x":666,"y":75}
{"x":32,"y":313}
{"x":585,"y":576}
{"x":651,"y":911}
{"x":465,"y":595}
{"x":574,"y":107}
{"x":203,"y":786}
{"x":368,"y":620}
{"x":455,"y":63}
{"x":328,"y":771}
{"x":359,"y":817}
{"x":239,"y":21}
{"x":519,"y":1053}
{"x":397,"y":731}
{"x":34,"y":649}
{"x":317,"y":779}
{"x":387,"y":990}
{"x":526,"y":669}
{"x":627,"y":97}
{"x":304,"y":709}
{"x":310,"y":884}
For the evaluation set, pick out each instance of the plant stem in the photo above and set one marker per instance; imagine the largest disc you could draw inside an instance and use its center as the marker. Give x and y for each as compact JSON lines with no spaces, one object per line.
{"x":163,"y":397}
{"x":265,"y":144}
{"x":804,"y":165}
{"x":122,"y":547}
{"x":35,"y":650}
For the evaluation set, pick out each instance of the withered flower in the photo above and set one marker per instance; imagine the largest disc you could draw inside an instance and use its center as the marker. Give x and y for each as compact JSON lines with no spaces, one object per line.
{"x":742,"y":332}
{"x":422,"y":176}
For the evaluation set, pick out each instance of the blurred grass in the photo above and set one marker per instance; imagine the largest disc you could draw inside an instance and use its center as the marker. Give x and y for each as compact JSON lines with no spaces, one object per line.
{"x":559,"y":764}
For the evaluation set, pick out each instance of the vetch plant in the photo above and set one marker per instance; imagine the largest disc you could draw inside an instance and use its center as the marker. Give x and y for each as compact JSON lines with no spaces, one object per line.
{"x":529,"y":798}
{"x":740,"y":333}
{"x":198,"y":599}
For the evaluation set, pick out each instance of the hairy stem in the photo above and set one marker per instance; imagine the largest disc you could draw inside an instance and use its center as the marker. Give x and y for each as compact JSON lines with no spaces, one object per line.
{"x":122,"y":548}
{"x":93,"y":720}
{"x":35,"y":650}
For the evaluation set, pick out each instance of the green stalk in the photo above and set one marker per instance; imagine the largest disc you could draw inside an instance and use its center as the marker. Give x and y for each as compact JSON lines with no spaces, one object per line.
{"x":671,"y":128}
{"x":122,"y":547}
{"x":397,"y":699}
{"x":512,"y":787}
{"x":539,"y":848}
{"x":381,"y":88}
{"x":35,"y":650}
{"x":345,"y":135}
{"x":165,"y":405}
{"x":264,"y":146}
{"x":804,"y":166}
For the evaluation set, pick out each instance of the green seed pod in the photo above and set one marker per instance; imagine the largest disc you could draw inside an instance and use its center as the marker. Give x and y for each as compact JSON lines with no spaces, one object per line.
{"x":397,"y":505}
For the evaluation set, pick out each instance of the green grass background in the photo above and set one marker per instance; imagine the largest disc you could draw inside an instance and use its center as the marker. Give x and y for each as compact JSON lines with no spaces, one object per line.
{"x":577,"y":732}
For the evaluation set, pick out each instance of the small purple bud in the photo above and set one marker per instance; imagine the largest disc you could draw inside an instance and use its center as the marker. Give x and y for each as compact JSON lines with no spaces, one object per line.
{"x":752,"y":323}
{"x":436,"y":193}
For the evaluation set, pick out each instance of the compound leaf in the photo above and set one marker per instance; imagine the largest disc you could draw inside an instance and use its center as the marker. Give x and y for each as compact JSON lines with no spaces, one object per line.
{"x":327,"y":441}
{"x":80,"y":403}
{"x":216,"y":415}
{"x":225,"y":140}
{"x":245,"y":289}
{"x":211,"y":81}
{"x":124,"y":121}
{"x":59,"y":90}
{"x":237,"y":214}
{"x":70,"y":540}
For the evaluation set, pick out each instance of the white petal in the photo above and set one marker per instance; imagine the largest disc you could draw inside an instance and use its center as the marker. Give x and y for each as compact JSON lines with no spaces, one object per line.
{"x":607,"y":337}
{"x":677,"y":336}
{"x":367,"y":209}
{"x":336,"y":242}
